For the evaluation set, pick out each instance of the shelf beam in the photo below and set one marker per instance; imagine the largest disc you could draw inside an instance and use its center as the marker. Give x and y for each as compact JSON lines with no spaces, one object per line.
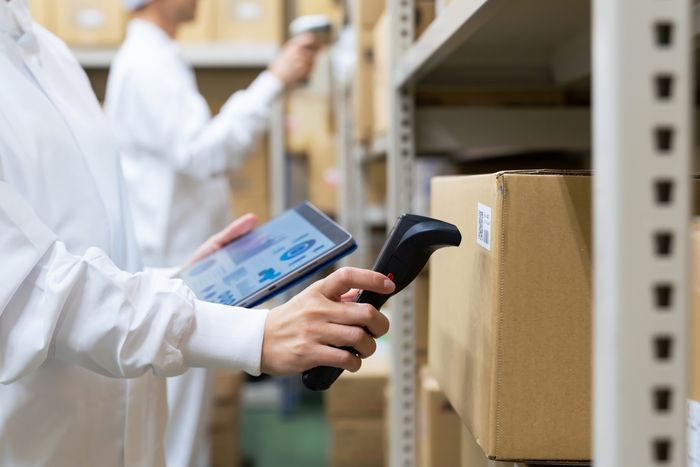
{"x":484,"y":132}
{"x":460,"y":20}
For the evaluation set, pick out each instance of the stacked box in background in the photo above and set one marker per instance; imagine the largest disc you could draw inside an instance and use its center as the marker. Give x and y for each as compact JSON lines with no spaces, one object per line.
{"x":85,"y":23}
{"x":439,"y":426}
{"x":365,"y":15}
{"x":250,"y":21}
{"x":355,"y":411}
{"x":42,"y":12}
{"x":510,"y":312}
{"x":225,"y":420}
{"x":249,"y":185}
{"x":202,"y":29}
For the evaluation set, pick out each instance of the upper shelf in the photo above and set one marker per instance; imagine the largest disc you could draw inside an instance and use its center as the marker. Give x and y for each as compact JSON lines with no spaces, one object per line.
{"x":502,"y":42}
{"x":209,"y":55}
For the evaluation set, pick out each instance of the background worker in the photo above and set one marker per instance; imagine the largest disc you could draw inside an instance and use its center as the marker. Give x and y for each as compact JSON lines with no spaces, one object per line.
{"x":86,"y":336}
{"x":177,"y":159}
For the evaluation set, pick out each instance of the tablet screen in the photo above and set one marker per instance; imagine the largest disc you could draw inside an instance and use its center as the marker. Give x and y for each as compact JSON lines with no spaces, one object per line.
{"x":255,"y":261}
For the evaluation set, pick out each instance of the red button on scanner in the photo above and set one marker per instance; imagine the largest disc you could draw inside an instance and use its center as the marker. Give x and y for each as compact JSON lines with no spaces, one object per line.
{"x":390,"y":276}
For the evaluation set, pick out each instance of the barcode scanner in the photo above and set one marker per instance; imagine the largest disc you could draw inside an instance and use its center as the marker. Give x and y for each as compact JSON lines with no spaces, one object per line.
{"x":405,"y":252}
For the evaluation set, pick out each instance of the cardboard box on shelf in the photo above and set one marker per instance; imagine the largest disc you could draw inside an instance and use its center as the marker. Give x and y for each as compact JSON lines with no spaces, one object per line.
{"x":43,"y":13}
{"x":365,"y":14}
{"x":425,"y":14}
{"x":357,"y":442}
{"x":439,"y":425}
{"x":225,"y":448}
{"x":330,"y":8}
{"x":362,"y":87}
{"x":471,"y":454}
{"x":381,"y":76}
{"x":323,"y":174}
{"x":90,"y":23}
{"x":202,"y":28}
{"x":250,"y":21}
{"x":510,"y":312}
{"x":250,"y":185}
{"x":361,"y":394}
{"x":694,"y":360}
{"x":375,"y":184}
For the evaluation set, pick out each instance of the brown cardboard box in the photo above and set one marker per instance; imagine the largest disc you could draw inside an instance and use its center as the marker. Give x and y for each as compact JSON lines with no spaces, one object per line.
{"x":381,"y":76}
{"x":422,"y":290}
{"x":43,"y":13}
{"x":323,"y":174}
{"x":357,"y":442}
{"x":425,"y":14}
{"x":202,"y":28}
{"x":439,"y":425}
{"x":361,"y":394}
{"x":694,"y":360}
{"x":362,"y":87}
{"x":225,"y":448}
{"x":250,"y":21}
{"x":250,"y":187}
{"x":510,"y":312}
{"x":366,"y":13}
{"x":90,"y":22}
{"x":471,"y":453}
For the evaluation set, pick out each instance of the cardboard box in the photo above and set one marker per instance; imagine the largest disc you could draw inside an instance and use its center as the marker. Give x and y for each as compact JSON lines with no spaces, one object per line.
{"x":695,"y":315}
{"x":225,"y":448}
{"x":357,"y":442}
{"x":471,"y":454}
{"x":510,"y":312}
{"x":439,"y":426}
{"x":362,"y":87}
{"x":90,"y":22}
{"x":381,"y":76}
{"x":361,"y":394}
{"x":250,"y":185}
{"x":425,"y":14}
{"x":250,"y":21}
{"x":323,"y":174}
{"x":202,"y":28}
{"x":366,"y":13}
{"x":43,"y":13}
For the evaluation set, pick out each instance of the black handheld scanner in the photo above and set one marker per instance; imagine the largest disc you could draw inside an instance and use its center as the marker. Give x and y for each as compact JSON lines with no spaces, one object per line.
{"x":404,"y":254}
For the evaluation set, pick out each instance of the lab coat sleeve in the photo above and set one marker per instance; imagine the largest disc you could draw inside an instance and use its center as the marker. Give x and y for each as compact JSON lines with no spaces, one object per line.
{"x":84,"y":310}
{"x":176,"y":124}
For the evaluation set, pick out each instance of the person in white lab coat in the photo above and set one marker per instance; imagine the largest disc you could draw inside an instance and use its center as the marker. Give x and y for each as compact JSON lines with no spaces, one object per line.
{"x":86,"y":337}
{"x":177,"y":159}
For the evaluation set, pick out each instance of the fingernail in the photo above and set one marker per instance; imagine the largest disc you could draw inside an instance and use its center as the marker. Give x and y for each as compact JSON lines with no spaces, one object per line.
{"x":388,"y":284}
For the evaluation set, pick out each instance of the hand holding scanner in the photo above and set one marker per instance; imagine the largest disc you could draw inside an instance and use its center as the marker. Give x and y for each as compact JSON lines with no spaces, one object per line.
{"x":404,"y":254}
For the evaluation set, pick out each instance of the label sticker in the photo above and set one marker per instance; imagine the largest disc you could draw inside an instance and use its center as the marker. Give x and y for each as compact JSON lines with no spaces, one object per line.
{"x":693,"y":434}
{"x":483,"y":226}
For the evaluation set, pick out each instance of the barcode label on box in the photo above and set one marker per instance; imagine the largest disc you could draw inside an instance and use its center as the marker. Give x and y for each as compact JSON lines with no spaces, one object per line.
{"x":483,"y":226}
{"x":693,"y":434}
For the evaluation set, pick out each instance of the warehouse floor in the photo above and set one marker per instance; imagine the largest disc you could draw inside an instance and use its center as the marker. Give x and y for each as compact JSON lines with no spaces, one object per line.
{"x":300,"y":440}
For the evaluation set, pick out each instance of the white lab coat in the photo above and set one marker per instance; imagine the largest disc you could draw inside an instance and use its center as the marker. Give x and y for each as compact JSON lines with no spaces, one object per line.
{"x":176,"y":161}
{"x":73,"y":322}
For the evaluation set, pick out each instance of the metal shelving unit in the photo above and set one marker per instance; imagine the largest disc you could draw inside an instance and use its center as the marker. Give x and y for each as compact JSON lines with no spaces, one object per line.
{"x":642,"y":146}
{"x":205,"y":55}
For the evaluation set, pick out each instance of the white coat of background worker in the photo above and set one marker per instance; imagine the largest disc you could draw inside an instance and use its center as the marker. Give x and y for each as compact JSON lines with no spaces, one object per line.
{"x":85,"y":338}
{"x":177,"y":159}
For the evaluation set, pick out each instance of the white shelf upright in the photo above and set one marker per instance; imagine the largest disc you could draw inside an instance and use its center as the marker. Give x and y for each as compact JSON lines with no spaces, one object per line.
{"x":642,"y":156}
{"x":400,"y":158}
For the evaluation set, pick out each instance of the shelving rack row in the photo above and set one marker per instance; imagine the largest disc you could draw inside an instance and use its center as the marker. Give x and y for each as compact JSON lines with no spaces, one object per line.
{"x":636,"y":57}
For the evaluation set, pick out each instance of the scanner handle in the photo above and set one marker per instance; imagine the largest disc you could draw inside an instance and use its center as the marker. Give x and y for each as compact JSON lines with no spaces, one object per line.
{"x":322,"y":377}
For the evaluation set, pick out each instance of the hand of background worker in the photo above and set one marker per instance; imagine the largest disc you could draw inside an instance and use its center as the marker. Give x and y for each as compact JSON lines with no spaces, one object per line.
{"x":306,"y":331}
{"x":296,"y":60}
{"x":235,"y":229}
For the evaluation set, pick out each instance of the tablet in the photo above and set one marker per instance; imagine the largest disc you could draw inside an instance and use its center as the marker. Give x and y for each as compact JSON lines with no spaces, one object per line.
{"x":269,"y":259}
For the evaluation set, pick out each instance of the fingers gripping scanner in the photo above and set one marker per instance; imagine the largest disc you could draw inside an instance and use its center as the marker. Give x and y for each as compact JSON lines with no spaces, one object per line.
{"x":404,"y":254}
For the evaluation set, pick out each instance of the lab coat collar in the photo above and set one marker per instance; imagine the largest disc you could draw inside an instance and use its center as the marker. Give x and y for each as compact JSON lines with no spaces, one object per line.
{"x":16,"y":22}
